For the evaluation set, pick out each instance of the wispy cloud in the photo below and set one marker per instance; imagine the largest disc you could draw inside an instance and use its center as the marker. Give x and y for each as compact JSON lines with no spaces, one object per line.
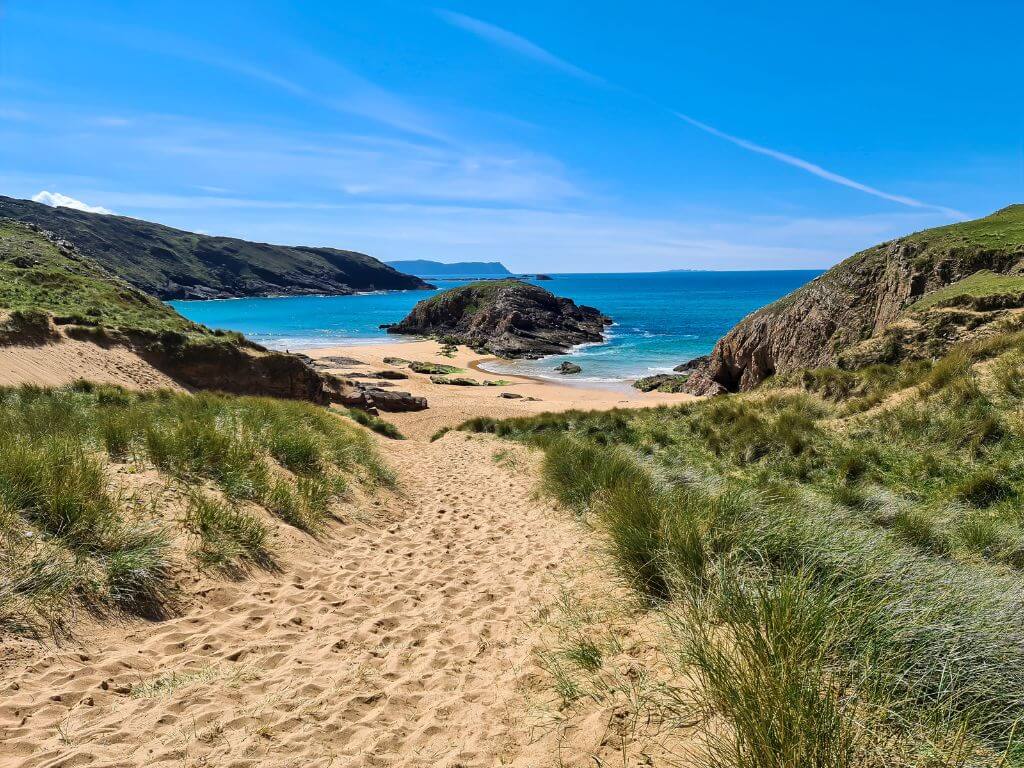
{"x":516,"y":43}
{"x":57,"y":200}
{"x":295,"y":70}
{"x":513,"y":42}
{"x":250,"y":160}
{"x":112,"y":121}
{"x":815,"y":170}
{"x":348,"y":92}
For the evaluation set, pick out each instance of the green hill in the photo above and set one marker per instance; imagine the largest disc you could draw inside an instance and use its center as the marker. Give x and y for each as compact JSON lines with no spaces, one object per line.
{"x":174,"y":264}
{"x":37,"y":274}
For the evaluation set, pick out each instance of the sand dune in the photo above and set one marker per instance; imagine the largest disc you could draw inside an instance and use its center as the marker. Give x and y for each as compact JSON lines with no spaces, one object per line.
{"x":407,"y":636}
{"x":67,"y":360}
{"x":402,"y":642}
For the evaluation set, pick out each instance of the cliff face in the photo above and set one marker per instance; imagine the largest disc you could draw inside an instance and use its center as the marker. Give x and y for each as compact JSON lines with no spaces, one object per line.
{"x":861,"y":310}
{"x":173,"y":264}
{"x":507,"y":318}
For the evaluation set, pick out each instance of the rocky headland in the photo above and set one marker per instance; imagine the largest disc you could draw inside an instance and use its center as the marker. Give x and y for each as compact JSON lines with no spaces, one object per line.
{"x":507,"y":318}
{"x":908,"y":298}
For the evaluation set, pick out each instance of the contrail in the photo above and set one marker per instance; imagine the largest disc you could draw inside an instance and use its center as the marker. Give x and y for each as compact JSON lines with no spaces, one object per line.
{"x":518,"y":44}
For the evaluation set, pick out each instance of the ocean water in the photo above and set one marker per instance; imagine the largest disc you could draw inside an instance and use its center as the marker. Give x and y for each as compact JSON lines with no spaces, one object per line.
{"x":661,"y":318}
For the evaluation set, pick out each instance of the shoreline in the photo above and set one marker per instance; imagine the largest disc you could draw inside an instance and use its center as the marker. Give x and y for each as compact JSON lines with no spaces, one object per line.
{"x":451,"y":405}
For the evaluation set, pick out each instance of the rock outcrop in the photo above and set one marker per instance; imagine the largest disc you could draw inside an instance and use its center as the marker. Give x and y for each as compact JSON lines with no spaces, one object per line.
{"x":862,"y":310}
{"x":507,"y":318}
{"x":662,"y":382}
{"x":567,"y":368}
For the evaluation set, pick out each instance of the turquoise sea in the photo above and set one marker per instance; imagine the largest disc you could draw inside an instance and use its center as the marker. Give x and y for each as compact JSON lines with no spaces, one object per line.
{"x":661,"y":318}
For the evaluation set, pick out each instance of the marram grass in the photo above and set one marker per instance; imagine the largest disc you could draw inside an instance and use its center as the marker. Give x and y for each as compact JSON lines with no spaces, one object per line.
{"x":69,"y":540}
{"x":846,"y":584}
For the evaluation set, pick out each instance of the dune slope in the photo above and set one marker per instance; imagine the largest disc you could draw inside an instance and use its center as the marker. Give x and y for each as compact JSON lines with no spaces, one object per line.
{"x":402,"y":641}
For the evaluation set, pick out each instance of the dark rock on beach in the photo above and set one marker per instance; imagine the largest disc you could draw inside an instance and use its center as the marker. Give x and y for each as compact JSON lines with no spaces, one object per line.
{"x":568,"y":368}
{"x":662,"y":382}
{"x":455,"y":381}
{"x":434,"y":369}
{"x":507,"y":318}
{"x":692,"y":365}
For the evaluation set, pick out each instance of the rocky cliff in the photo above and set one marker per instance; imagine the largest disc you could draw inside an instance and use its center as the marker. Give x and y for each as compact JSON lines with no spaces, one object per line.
{"x":507,"y":318}
{"x":174,"y":264}
{"x":875,"y":307}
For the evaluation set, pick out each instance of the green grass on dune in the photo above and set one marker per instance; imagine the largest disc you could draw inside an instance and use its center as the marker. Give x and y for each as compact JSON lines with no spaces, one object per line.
{"x":376,"y":423}
{"x":69,"y":538}
{"x":849,"y":590}
{"x":35,"y":275}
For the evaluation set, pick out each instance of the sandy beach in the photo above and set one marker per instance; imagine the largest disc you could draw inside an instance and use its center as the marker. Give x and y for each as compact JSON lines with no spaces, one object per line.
{"x":413,"y":632}
{"x":451,"y":405}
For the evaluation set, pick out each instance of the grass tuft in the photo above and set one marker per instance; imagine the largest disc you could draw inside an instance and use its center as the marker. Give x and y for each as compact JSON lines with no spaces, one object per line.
{"x":377,"y":424}
{"x":226,"y":535}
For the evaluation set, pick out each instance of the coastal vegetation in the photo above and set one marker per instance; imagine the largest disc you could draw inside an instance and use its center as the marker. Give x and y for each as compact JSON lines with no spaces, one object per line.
{"x":38,"y":275}
{"x":376,"y":423}
{"x":104,"y":491}
{"x":837,"y":555}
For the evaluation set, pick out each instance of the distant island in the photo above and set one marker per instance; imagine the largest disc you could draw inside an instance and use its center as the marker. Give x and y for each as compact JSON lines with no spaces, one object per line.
{"x":425,"y":268}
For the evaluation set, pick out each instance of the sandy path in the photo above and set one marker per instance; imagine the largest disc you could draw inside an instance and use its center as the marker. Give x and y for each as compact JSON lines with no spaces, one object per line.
{"x":398,"y":644}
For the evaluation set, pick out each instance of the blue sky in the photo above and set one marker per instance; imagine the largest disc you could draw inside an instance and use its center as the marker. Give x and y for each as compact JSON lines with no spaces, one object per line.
{"x":555,"y":136}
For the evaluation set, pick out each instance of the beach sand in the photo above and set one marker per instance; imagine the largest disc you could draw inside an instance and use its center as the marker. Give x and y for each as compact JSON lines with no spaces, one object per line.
{"x":451,"y":405}
{"x":417,"y":631}
{"x":65,"y":361}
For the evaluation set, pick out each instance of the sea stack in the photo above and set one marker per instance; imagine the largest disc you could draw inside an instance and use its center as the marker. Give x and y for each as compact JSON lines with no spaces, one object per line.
{"x":507,"y":318}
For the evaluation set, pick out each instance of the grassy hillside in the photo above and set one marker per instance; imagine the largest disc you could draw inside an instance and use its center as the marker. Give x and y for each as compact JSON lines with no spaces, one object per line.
{"x":1003,"y":231}
{"x":959,"y":249}
{"x":49,"y":290}
{"x":981,"y":284}
{"x":38,"y":275}
{"x":842,"y":567}
{"x":173,"y":264}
